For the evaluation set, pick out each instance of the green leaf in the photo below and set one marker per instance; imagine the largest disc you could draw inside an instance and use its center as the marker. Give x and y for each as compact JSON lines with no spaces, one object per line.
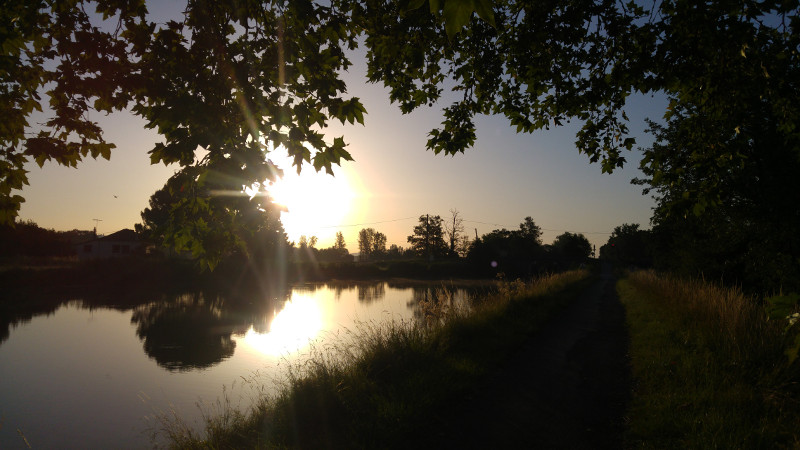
{"x":457,"y":14}
{"x":780,"y":306}
{"x":484,"y":10}
{"x":414,"y":4}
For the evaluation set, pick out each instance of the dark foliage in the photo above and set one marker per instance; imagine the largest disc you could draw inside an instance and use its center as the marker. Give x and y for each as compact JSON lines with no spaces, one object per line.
{"x":29,"y":239}
{"x":628,"y":246}
{"x":515,"y":253}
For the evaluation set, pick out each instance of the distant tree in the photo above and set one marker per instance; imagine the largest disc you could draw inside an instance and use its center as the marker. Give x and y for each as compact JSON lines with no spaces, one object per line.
{"x":366,"y":243}
{"x":428,"y":238}
{"x":395,"y":252}
{"x":26,"y":238}
{"x":513,"y":252}
{"x":454,"y":229}
{"x":378,"y":245}
{"x":530,"y":232}
{"x":336,"y":253}
{"x":306,"y":251}
{"x":571,"y":247}
{"x":226,"y":82}
{"x":339,"y":244}
{"x":628,"y":245}
{"x":463,"y":245}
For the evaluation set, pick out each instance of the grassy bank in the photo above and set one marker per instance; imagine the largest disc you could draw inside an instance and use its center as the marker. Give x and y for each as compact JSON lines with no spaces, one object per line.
{"x":709,"y":368}
{"x":390,"y":385}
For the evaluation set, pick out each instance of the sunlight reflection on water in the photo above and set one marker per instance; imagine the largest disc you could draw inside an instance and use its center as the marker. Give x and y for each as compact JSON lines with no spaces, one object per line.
{"x":93,"y":375}
{"x":299,"y":322}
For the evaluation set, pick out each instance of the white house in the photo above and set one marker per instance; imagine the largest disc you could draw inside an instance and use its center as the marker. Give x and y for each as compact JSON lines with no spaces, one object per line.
{"x":122,"y":243}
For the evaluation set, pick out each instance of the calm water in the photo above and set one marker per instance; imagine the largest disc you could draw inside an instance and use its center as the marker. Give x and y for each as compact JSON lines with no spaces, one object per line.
{"x":96,"y":377}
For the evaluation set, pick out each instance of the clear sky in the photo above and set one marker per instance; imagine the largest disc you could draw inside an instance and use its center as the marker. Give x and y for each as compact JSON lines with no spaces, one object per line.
{"x":393,"y":180}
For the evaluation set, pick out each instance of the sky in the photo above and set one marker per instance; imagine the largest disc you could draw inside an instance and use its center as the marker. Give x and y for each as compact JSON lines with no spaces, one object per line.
{"x":392,"y":182}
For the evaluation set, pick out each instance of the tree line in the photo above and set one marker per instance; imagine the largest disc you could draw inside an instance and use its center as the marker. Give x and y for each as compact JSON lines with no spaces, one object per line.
{"x":514,"y":253}
{"x":226,"y":83}
{"x":734,"y":252}
{"x":27,"y":239}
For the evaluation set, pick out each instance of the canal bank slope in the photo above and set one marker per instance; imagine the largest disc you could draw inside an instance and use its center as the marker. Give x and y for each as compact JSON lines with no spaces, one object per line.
{"x":566,"y":387}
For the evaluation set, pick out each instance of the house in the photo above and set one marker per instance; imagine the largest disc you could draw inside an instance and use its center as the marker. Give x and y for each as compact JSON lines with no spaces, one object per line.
{"x":122,"y":243}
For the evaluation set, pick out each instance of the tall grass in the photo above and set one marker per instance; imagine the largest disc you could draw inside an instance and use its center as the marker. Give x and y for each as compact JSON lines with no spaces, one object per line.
{"x":709,"y":367}
{"x":390,"y":384}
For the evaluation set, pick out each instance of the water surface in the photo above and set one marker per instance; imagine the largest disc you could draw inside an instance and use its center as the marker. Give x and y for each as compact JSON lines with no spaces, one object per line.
{"x":81,"y":376}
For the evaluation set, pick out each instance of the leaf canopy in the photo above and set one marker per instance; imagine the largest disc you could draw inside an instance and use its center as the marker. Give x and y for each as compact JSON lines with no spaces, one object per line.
{"x":228,"y":82}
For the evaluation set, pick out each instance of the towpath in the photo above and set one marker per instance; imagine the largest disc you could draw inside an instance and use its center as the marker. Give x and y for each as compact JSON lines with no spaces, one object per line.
{"x":566,"y":388}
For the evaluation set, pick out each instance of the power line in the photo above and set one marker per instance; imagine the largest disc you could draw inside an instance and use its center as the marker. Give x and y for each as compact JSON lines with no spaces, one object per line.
{"x":367,"y":223}
{"x":543,"y":229}
{"x":465,"y":220}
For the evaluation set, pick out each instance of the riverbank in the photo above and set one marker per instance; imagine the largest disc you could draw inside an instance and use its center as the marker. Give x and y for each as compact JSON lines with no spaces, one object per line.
{"x":566,"y":362}
{"x":395,"y":385}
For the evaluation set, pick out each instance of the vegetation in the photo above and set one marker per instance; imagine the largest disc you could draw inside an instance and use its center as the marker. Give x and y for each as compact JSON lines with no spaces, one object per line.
{"x":515,"y":253}
{"x":572,"y":247}
{"x":711,"y":368}
{"x":628,"y":246}
{"x":28,"y":240}
{"x":227,"y":83}
{"x":428,"y":238}
{"x":389,"y":385}
{"x":750,"y":232}
{"x":371,"y":244}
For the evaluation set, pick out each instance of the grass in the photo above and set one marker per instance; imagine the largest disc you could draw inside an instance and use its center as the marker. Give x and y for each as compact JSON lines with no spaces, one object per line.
{"x":709,"y":368}
{"x":389,"y":384}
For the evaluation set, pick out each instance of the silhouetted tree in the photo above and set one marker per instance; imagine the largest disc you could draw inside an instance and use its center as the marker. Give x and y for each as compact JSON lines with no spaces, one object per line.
{"x":571,"y":247}
{"x":26,"y":238}
{"x":428,"y":238}
{"x":463,"y":245}
{"x":227,"y":225}
{"x":378,"y":245}
{"x":530,"y":232}
{"x":750,"y":234}
{"x":628,"y":245}
{"x":366,"y":243}
{"x":395,"y":252}
{"x":339,"y":244}
{"x":212,"y":83}
{"x":453,"y":228}
{"x":515,"y":253}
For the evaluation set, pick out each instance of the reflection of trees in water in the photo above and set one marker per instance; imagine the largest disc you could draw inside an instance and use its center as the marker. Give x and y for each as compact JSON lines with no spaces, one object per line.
{"x":368,"y":293}
{"x":20,"y":311}
{"x":431,"y":303}
{"x":193,"y":331}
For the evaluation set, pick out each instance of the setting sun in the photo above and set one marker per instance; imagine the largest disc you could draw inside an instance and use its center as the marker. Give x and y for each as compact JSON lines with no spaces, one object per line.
{"x":316,"y":203}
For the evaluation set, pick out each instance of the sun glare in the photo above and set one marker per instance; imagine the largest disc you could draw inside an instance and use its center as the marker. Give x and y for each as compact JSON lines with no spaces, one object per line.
{"x":315,"y":201}
{"x":291,"y":330}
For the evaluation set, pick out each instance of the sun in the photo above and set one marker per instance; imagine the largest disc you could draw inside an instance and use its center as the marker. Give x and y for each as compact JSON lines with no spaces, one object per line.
{"x":316,"y":203}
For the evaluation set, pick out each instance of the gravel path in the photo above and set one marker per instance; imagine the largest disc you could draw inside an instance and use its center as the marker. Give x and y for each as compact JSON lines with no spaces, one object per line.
{"x":567,"y":387}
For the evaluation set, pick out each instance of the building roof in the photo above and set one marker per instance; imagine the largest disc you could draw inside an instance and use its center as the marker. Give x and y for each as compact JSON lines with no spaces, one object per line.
{"x":125,"y":235}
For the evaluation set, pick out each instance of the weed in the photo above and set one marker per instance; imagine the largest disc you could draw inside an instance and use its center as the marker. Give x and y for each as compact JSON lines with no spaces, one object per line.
{"x":387,"y":384}
{"x":708,"y":365}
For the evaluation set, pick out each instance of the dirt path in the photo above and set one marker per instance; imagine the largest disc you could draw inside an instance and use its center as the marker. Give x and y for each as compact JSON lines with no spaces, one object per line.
{"x":567,"y":387}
